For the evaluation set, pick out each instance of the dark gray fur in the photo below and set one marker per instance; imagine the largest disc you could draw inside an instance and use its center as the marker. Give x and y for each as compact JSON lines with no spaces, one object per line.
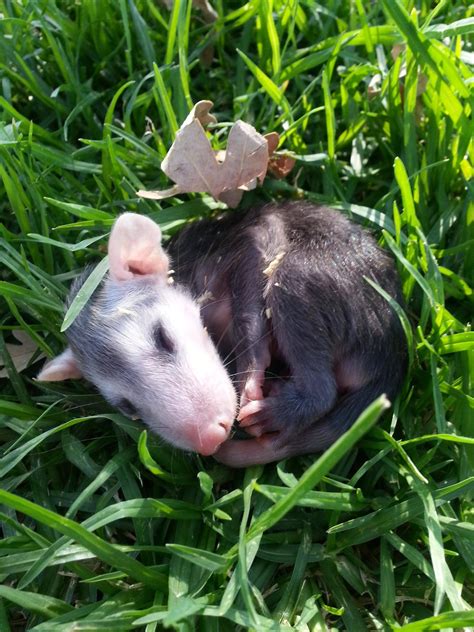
{"x":323,"y":313}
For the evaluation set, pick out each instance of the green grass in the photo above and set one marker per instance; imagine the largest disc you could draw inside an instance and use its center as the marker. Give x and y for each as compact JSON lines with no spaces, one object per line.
{"x":106,"y":528}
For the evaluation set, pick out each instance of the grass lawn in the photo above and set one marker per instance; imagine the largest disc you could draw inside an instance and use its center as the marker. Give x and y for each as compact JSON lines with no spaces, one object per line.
{"x":105,"y":527}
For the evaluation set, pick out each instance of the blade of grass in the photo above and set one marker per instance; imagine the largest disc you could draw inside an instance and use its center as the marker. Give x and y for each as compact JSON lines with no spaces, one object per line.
{"x":320,"y":468}
{"x":93,"y":543}
{"x":87,"y":289}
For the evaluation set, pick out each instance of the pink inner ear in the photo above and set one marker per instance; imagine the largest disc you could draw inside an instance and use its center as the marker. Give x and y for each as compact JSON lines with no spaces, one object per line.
{"x":63,"y":367}
{"x":135,"y":249}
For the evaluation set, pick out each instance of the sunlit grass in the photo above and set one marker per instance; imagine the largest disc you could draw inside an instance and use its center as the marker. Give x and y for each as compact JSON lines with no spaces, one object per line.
{"x":104,"y":527}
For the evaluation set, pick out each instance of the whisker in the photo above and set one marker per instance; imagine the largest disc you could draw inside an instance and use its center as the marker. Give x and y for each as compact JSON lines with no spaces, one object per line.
{"x":253,"y":343}
{"x":246,"y":349}
{"x":223,"y":334}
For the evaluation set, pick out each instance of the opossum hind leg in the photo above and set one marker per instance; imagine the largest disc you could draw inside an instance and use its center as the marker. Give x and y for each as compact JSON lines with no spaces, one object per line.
{"x":236,"y":453}
{"x":276,"y":446}
{"x":316,"y":437}
{"x":306,"y":392}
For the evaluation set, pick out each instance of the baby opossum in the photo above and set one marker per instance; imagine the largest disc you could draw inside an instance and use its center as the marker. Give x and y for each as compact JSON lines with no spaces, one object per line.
{"x":282,"y":293}
{"x":282,"y":288}
{"x":141,"y":341}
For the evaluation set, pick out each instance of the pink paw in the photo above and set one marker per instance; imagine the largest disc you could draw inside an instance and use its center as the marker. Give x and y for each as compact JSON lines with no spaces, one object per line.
{"x":252,"y":389}
{"x":248,"y":411}
{"x":258,"y":418}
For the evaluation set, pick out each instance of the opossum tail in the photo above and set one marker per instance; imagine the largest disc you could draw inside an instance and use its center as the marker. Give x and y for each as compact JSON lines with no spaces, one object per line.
{"x":324,"y":432}
{"x":314,"y":438}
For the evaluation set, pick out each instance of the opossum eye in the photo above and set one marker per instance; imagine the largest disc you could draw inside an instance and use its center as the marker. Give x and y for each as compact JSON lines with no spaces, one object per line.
{"x":162,"y":341}
{"x":127,"y":407}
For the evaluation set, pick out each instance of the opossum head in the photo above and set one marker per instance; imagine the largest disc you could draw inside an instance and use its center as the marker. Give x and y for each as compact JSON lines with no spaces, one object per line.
{"x":141,"y":341}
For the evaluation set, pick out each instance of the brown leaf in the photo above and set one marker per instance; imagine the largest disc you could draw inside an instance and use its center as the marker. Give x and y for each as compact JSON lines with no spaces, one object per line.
{"x":280,"y":165}
{"x":246,"y":157}
{"x":201,"y":112}
{"x":375,"y":86}
{"x":397,"y":50}
{"x":273,"y":138}
{"x":208,"y":13}
{"x":22,"y":353}
{"x":190,"y":157}
{"x":193,"y":165}
{"x":231,"y":198}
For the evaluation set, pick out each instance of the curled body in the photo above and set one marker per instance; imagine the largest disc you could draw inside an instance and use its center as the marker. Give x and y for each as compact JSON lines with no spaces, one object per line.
{"x":281,"y":292}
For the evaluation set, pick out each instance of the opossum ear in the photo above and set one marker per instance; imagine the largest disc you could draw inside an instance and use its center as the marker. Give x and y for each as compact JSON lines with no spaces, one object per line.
{"x":63,"y":367}
{"x":135,"y":249}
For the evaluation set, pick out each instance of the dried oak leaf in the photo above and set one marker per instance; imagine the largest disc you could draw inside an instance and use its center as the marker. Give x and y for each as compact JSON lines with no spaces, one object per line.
{"x":208,"y":12}
{"x":280,"y":165}
{"x":195,"y":167}
{"x":21,"y":353}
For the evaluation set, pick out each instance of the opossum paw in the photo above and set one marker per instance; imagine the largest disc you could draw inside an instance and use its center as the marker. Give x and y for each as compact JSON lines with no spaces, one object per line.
{"x":252,"y":390}
{"x":260,"y":419}
{"x":254,"y":412}
{"x":249,"y":410}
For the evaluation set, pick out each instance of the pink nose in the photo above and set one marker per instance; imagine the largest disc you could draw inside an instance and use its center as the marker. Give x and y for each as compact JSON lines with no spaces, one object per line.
{"x":210,"y":439}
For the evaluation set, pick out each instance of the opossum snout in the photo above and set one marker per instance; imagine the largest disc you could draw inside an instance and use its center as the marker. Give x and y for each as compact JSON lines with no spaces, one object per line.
{"x":204,"y":419}
{"x":209,"y":439}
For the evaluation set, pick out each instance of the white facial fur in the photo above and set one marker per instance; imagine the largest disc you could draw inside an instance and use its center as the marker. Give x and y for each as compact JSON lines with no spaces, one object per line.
{"x":184,"y":395}
{"x":141,"y":341}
